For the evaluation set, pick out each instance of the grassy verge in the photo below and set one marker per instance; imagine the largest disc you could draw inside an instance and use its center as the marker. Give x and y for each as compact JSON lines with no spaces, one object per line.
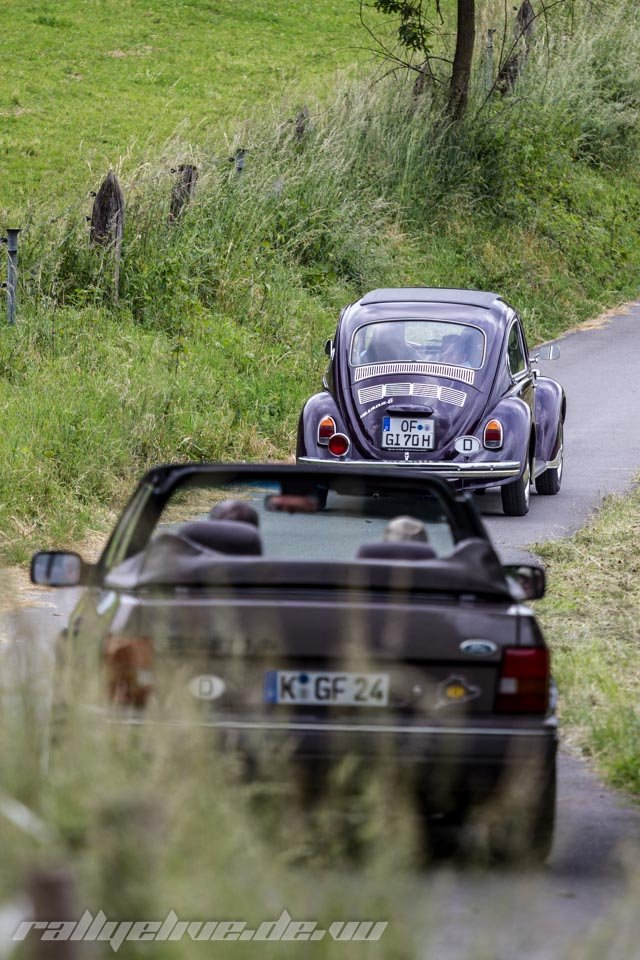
{"x":592,"y":618}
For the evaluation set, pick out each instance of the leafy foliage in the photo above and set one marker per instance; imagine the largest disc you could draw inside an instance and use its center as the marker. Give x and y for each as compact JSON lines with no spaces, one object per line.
{"x":414,"y":27}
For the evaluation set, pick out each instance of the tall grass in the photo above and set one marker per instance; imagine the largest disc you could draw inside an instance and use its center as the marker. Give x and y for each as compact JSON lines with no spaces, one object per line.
{"x":217,"y":337}
{"x":593,"y":617}
{"x":158,"y":817}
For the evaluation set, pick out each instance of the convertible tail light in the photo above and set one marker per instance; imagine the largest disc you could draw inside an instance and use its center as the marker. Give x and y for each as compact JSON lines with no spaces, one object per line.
{"x":326,"y":429}
{"x":129,"y":665}
{"x":523,"y":686}
{"x":493,"y":435}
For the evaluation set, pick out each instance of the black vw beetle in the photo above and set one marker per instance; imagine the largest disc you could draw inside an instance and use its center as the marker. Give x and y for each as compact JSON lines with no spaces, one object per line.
{"x":439,"y":380}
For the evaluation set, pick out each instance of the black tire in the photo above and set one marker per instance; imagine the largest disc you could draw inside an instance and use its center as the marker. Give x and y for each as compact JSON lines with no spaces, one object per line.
{"x":525,"y":831}
{"x":516,"y":495}
{"x":443,"y":840}
{"x":440,"y":837}
{"x":322,"y":493}
{"x":549,"y":482}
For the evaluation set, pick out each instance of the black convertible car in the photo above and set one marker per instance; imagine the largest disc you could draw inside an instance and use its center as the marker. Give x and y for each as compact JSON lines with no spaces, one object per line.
{"x":441,"y":381}
{"x":380,"y":626}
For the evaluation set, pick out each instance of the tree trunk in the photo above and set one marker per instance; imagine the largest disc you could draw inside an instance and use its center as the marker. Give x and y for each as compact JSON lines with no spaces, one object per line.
{"x":461,"y":73}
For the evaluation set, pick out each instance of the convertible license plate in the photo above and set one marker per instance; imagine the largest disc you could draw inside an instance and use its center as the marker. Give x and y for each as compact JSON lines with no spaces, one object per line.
{"x":327,"y":689}
{"x":407,"y":433}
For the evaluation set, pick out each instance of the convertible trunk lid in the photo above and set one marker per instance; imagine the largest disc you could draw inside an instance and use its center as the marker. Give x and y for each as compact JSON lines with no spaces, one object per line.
{"x":319,"y":654}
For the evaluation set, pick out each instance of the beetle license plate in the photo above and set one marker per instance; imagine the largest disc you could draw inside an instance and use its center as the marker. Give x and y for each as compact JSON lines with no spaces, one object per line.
{"x":327,"y":689}
{"x":407,"y":433}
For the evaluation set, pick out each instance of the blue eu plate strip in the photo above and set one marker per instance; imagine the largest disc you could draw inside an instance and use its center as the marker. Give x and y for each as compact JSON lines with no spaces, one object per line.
{"x":271,"y":686}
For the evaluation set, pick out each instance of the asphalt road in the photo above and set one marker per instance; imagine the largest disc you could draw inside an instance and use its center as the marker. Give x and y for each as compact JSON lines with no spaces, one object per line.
{"x":599,"y":370}
{"x":584,"y":902}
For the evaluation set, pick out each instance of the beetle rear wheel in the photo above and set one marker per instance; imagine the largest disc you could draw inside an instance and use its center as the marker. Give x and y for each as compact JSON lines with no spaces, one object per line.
{"x":516,"y":495}
{"x":548,"y":483}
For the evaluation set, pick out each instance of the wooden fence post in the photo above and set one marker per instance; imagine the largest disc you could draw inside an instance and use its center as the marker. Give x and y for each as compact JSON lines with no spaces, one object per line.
{"x":302,"y":123}
{"x":523,"y":33}
{"x":107,"y":222}
{"x":52,"y":894}
{"x":129,"y":844}
{"x":183,"y":191}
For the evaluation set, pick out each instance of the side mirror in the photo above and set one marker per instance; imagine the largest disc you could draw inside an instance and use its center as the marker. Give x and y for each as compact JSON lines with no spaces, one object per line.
{"x":56,"y":568}
{"x":328,"y":348}
{"x":531,"y":580}
{"x":549,"y":352}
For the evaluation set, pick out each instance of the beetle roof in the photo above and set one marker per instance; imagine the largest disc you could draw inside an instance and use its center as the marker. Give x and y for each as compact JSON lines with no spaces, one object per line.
{"x":486,"y":309}
{"x":472,"y":298}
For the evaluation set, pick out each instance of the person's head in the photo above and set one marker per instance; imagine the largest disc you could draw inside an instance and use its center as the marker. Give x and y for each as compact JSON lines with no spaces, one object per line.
{"x":405,"y":528}
{"x":238,"y":510}
{"x":387,"y":342}
{"x":464,"y":349}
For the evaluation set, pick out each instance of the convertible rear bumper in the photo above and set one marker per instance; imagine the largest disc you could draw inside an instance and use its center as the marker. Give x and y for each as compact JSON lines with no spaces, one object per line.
{"x":447,"y":469}
{"x":480,"y":742}
{"x":464,"y":760}
{"x":442,"y":761}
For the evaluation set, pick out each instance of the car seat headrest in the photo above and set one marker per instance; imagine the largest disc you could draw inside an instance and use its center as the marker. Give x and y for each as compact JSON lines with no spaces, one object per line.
{"x":396,"y":550}
{"x":224,"y":536}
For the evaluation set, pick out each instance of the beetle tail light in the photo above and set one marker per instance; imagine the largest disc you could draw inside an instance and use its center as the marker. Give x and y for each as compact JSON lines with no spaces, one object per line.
{"x":326,"y":429}
{"x":523,"y":685}
{"x":129,"y":667}
{"x":339,"y":445}
{"x":493,"y":435}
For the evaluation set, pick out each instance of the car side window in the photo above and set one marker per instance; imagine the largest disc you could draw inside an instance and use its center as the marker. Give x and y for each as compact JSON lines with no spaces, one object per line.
{"x":515,"y":351}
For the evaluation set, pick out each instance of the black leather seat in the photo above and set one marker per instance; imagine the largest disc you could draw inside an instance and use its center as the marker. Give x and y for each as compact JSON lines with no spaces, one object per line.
{"x":230,"y":537}
{"x":395,"y":550}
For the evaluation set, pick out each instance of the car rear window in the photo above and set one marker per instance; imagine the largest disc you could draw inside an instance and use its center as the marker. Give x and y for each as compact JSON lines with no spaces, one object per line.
{"x":287,"y":520}
{"x":290,"y":525}
{"x":419,"y":341}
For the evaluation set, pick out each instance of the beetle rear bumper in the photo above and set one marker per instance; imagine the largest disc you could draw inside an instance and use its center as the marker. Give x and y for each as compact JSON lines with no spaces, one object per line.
{"x":490,"y":471}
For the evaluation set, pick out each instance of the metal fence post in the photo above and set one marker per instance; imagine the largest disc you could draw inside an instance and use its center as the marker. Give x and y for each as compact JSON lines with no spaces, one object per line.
{"x":11,"y":241}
